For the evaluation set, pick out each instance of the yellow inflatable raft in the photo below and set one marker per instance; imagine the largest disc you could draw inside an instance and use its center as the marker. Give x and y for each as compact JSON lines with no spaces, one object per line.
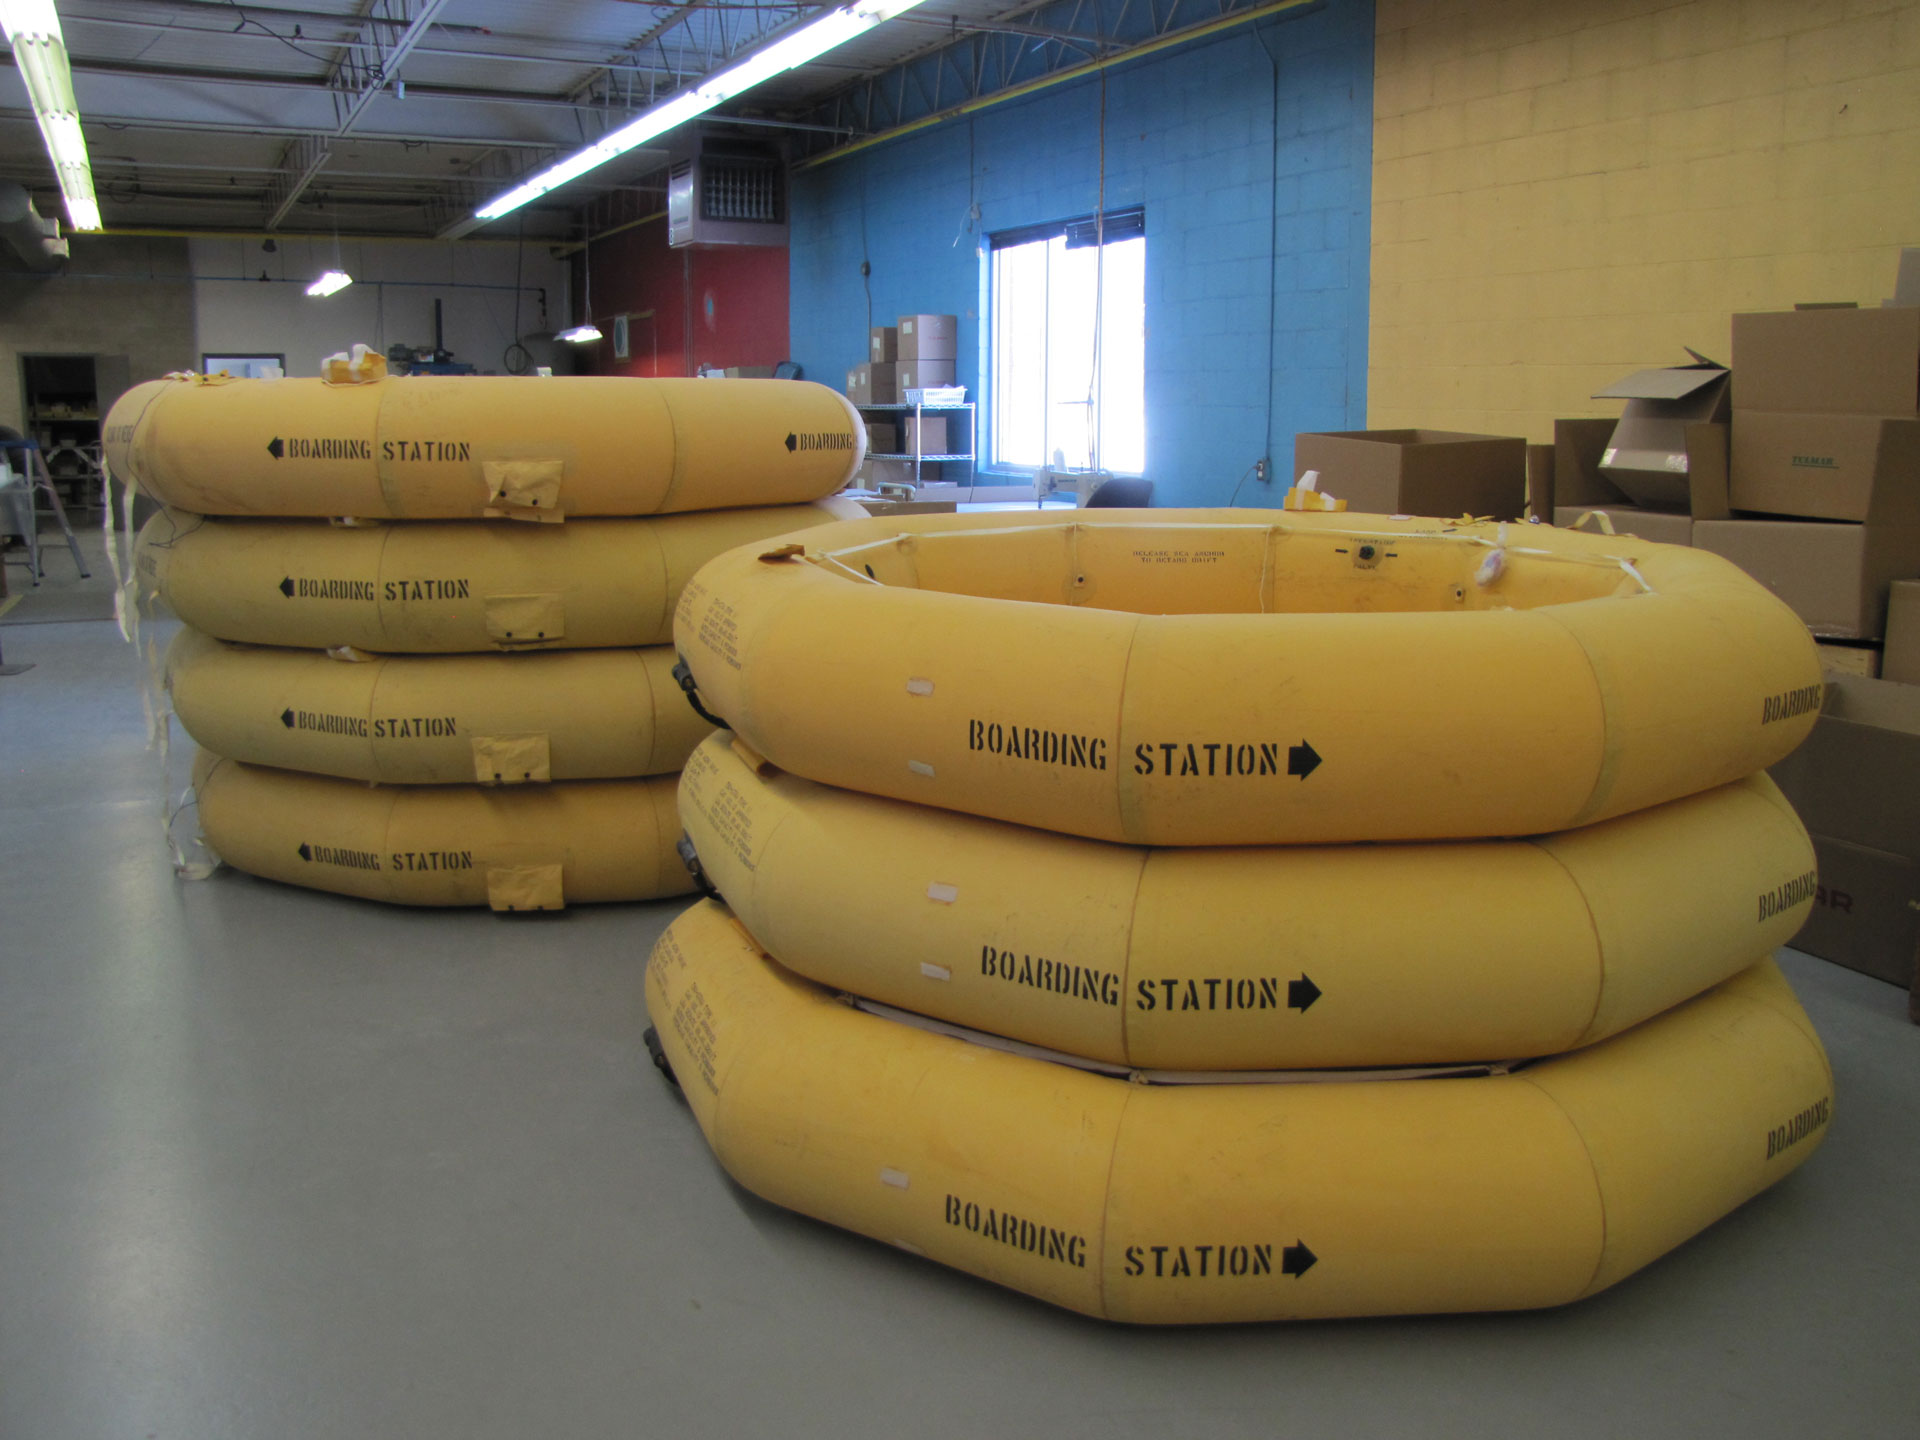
{"x":532,"y":848}
{"x":1252,"y":959}
{"x":444,"y":587}
{"x":436,"y":719}
{"x":1208,"y":678}
{"x":471,"y":447}
{"x":1179,"y":1204}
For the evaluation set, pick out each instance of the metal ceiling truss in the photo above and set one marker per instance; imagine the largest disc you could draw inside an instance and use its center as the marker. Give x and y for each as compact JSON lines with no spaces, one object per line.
{"x":1019,"y":49}
{"x":363,"y":68}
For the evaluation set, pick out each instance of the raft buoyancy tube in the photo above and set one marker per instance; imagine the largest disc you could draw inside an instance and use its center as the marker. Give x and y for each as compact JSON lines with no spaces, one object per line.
{"x":1178,"y":678}
{"x":1251,"y":959}
{"x":436,"y":719}
{"x":1179,"y":1204}
{"x":533,"y":847}
{"x":444,"y":587}
{"x":472,"y":447}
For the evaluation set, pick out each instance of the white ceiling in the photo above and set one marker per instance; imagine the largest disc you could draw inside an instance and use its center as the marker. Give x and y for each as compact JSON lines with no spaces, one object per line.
{"x":217,"y":116}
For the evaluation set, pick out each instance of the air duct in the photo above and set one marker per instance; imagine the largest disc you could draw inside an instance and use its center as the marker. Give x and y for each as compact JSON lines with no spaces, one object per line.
{"x":33,"y":237}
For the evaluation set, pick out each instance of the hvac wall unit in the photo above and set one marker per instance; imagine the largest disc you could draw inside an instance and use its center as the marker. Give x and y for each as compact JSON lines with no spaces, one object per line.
{"x":724,"y":191}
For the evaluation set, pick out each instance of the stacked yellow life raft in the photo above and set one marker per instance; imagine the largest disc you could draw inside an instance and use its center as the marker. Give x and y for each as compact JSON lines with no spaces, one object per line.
{"x":427,"y":656}
{"x":1188,"y":917}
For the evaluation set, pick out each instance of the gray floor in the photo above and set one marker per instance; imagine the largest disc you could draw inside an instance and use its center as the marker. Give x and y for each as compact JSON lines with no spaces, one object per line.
{"x":278,"y":1164}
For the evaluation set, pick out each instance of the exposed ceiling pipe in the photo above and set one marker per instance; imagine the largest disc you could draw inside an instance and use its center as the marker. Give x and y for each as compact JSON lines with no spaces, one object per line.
{"x":31,"y":235}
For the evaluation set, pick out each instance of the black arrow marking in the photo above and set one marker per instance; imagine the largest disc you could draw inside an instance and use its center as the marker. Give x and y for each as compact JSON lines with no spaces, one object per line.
{"x":793,"y":442}
{"x":276,"y":447}
{"x":1302,"y":760}
{"x":286,"y":587}
{"x":306,"y":853}
{"x":286,"y":719}
{"x":1301,"y":993}
{"x":1296,"y":1259}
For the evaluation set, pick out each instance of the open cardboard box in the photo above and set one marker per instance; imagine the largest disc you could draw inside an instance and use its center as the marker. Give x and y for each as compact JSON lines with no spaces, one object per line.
{"x":1650,"y":455}
{"x":1579,"y":484}
{"x":1441,"y":473}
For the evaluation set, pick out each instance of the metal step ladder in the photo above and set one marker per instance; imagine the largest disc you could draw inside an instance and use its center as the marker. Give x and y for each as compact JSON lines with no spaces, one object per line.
{"x":39,"y":481}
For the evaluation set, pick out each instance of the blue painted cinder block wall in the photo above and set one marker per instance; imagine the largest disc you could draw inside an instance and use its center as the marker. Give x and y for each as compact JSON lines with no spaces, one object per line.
{"x":1241,"y":193}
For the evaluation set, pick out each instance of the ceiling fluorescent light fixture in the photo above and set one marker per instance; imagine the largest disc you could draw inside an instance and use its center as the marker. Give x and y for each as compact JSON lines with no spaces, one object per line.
{"x":795,"y":48}
{"x":580,"y":334}
{"x":329,"y":283}
{"x":40,"y":53}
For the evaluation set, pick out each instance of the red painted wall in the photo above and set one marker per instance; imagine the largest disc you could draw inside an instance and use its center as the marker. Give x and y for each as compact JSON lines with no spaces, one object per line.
{"x":711,"y":307}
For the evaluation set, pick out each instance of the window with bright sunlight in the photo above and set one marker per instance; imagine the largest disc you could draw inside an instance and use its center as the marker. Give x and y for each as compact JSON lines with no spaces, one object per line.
{"x":1069,"y":344}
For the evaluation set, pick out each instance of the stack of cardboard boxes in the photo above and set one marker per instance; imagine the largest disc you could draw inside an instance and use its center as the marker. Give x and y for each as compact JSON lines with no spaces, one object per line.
{"x":916,"y":354}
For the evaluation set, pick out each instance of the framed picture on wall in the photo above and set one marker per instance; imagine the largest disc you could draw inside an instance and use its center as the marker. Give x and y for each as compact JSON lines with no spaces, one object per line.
{"x":620,"y":337}
{"x":246,"y":367}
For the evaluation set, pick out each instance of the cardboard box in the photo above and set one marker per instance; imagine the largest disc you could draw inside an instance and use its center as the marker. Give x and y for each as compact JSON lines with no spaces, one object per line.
{"x":749,"y":372}
{"x":883,"y":437}
{"x":1837,"y":658}
{"x":922,"y":374}
{"x":1851,"y":362}
{"x":1577,"y":448}
{"x":1663,"y":527}
{"x":929,"y":337}
{"x":873,"y":384}
{"x":1902,"y":658}
{"x":1833,"y":467}
{"x":1835,"y":576}
{"x":1649,"y":456}
{"x":909,"y":507}
{"x":1855,"y":776}
{"x":1540,"y":483}
{"x":883,"y":345}
{"x":924,"y":435}
{"x":872,"y":474}
{"x":1866,"y":911}
{"x":1440,"y":473}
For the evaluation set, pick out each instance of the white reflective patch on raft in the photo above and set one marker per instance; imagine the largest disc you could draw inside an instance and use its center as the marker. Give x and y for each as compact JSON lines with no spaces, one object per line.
{"x":918,"y":686}
{"x":945,"y":894}
{"x":920,"y":767}
{"x":935,"y":972}
{"x":895,"y":1178}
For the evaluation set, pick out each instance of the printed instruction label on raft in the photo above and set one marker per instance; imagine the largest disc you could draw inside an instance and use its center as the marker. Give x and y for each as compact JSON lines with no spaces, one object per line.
{"x":732,"y":820}
{"x":693,"y":1023}
{"x":1016,"y":1231}
{"x":720,"y":632}
{"x":1180,"y":557}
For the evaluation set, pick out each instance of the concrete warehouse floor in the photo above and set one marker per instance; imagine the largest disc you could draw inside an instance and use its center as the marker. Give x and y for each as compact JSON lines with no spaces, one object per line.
{"x":274,"y":1163}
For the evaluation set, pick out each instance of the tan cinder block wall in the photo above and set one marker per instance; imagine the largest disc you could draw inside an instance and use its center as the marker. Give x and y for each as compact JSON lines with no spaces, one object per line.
{"x":1567,"y":190}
